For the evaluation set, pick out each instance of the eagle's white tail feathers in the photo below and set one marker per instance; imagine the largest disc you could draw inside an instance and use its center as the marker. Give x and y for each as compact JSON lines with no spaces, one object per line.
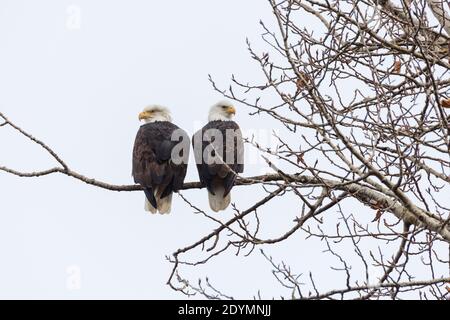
{"x":164,"y":206}
{"x":217,"y":201}
{"x":148,"y":207}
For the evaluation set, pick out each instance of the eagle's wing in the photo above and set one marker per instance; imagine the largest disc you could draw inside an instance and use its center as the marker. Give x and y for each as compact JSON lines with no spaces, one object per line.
{"x":231,"y":163}
{"x":153,"y":167}
{"x":237,"y":163}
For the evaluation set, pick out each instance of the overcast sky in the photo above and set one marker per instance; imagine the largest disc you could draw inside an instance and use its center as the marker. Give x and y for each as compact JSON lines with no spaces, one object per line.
{"x":76,"y":74}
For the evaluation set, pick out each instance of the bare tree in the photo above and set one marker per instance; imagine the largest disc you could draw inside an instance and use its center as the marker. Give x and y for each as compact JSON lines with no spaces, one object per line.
{"x":364,"y":155}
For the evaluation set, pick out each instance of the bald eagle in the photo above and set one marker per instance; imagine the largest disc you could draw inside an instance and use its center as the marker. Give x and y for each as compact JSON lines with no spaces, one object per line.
{"x":219,"y":154}
{"x":160,"y":157}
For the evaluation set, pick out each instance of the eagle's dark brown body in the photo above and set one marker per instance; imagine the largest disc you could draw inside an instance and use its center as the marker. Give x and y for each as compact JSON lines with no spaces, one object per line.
{"x":153,"y":167}
{"x":219,"y":177}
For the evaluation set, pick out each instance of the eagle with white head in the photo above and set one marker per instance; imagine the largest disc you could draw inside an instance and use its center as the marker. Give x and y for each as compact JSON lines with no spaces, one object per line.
{"x":219,"y":154}
{"x":160,"y":158}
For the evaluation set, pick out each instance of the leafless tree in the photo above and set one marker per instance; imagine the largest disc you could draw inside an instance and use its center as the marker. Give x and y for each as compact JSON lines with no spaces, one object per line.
{"x":363,"y":157}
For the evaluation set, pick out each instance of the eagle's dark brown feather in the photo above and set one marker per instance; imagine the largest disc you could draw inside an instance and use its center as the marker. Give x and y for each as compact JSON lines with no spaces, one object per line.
{"x":153,"y":167}
{"x":223,"y":174}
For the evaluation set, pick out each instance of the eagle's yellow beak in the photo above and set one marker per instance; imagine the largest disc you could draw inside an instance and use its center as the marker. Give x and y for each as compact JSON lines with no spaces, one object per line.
{"x":231,"y":110}
{"x":145,"y":115}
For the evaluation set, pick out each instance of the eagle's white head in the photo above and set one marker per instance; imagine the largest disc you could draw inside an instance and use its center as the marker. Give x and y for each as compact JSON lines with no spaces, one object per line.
{"x":155,"y":113}
{"x":222,"y":110}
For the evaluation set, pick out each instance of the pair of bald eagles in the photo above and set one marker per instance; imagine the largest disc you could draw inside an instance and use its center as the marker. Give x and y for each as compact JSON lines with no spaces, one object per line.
{"x":161,"y":155}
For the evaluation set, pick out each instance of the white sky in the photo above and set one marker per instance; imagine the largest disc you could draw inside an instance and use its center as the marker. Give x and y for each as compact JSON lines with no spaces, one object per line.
{"x":80,"y":90}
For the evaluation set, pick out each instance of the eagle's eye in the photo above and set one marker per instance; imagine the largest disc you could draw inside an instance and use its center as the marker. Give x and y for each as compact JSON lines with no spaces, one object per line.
{"x":224,"y":107}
